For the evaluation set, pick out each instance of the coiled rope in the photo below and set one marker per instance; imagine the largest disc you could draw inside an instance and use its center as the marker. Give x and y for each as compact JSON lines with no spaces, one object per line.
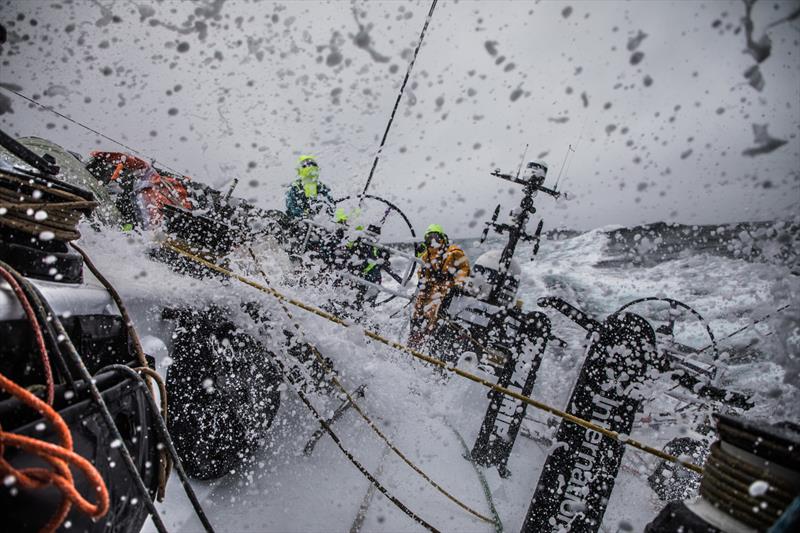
{"x":448,"y":367}
{"x":726,"y":486}
{"x":74,"y":357}
{"x":743,"y":457}
{"x":37,"y":206}
{"x":60,"y":457}
{"x":335,"y":380}
{"x":31,"y":206}
{"x":46,"y":210}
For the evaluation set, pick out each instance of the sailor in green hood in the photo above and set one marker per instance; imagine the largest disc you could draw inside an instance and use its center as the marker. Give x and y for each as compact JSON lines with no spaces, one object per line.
{"x":306,"y":196}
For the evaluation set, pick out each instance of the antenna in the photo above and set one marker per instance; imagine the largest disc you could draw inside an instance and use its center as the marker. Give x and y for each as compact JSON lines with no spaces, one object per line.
{"x":566,"y":155}
{"x":522,"y":162}
{"x":573,"y":150}
{"x":230,"y":190}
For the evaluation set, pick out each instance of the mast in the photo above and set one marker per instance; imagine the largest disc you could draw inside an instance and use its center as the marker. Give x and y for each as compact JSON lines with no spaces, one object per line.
{"x":516,"y":228}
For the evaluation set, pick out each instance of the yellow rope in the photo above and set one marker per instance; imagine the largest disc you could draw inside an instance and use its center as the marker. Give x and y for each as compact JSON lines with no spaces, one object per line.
{"x":24,"y":199}
{"x":436,"y":362}
{"x":363,"y":415}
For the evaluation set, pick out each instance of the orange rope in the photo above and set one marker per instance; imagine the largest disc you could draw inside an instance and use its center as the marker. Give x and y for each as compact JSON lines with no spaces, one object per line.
{"x":117,"y":171}
{"x":60,"y":457}
{"x":37,"y":331}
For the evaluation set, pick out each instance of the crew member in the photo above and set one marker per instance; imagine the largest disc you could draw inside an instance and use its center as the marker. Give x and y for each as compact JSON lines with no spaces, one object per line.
{"x":445,"y":266}
{"x":307,"y":196}
{"x":353,"y":253}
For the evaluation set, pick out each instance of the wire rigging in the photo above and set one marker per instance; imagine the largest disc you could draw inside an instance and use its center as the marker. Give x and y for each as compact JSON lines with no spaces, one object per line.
{"x":570,"y":150}
{"x":743,"y":328}
{"x":88,"y":128}
{"x":563,"y":164}
{"x":441,"y":364}
{"x":399,"y":97}
{"x":357,"y":408}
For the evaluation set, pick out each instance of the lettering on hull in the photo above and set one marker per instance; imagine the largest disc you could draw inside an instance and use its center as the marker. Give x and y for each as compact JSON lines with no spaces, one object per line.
{"x":526,"y":336}
{"x":617,"y":363}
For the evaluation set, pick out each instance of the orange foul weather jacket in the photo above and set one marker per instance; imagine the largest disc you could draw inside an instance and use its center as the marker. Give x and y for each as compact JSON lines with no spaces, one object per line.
{"x":440,"y":273}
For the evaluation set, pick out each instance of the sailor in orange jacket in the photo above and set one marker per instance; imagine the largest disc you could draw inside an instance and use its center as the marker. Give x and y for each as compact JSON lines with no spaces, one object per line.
{"x":445,"y":266}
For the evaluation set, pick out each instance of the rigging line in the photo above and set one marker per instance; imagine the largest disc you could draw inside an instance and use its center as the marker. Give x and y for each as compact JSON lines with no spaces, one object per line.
{"x":751,"y":324}
{"x":522,"y":160}
{"x":613,"y":435}
{"x":569,"y":164}
{"x":335,"y":380}
{"x":165,"y":462}
{"x":397,"y":102}
{"x":563,"y":164}
{"x":36,"y":328}
{"x":278,"y":364}
{"x":84,"y":126}
{"x":566,"y":156}
{"x":358,"y":522}
{"x":166,"y":438}
{"x":487,"y":492}
{"x":377,"y":484}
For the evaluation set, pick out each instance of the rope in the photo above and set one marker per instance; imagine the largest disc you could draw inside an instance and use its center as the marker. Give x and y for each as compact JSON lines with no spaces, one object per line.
{"x":164,"y":463}
{"x":743,"y":328}
{"x":363,"y":415}
{"x":43,"y":320}
{"x":33,"y":293}
{"x":137,"y":344}
{"x":324,"y":423}
{"x":358,"y":521}
{"x":165,"y":437}
{"x":60,"y":457}
{"x":400,"y":505}
{"x":498,"y":525}
{"x":726,"y":485}
{"x":23,"y":199}
{"x":399,"y":97}
{"x":84,"y":126}
{"x":450,"y":368}
{"x":37,"y":332}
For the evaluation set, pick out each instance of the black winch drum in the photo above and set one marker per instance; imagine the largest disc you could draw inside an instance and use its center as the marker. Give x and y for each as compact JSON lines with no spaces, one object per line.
{"x":750,"y":479}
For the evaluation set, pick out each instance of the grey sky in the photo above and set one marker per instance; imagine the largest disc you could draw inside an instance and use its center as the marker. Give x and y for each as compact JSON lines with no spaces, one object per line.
{"x":262,"y":82}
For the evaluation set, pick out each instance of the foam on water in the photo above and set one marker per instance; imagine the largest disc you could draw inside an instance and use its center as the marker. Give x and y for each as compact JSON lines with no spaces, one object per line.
{"x":283,"y":490}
